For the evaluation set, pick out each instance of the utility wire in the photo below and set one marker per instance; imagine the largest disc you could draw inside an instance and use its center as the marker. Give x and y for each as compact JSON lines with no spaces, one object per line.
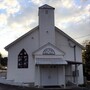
{"x":82,"y":36}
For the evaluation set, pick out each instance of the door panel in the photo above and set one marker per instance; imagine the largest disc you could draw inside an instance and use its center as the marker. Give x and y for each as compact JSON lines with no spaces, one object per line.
{"x":49,"y":75}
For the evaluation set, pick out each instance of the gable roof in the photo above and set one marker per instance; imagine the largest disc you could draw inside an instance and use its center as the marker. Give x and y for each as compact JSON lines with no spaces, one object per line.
{"x":46,"y":7}
{"x":20,"y":38}
{"x":68,"y":37}
{"x":37,"y":27}
{"x":48,"y":44}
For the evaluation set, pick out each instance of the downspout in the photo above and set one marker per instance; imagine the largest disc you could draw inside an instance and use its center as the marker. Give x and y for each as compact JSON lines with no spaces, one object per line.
{"x":75,"y":53}
{"x":74,"y":47}
{"x":76,"y":78}
{"x":75,"y":61}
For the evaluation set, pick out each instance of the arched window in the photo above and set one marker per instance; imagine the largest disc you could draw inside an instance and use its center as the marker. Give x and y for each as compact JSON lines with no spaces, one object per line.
{"x":23,"y":59}
{"x":48,"y":51}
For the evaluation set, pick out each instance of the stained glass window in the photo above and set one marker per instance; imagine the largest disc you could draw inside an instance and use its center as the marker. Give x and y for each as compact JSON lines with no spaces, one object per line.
{"x":23,"y":59}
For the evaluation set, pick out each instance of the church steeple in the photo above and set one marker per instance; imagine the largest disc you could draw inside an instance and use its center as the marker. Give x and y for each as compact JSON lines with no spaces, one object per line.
{"x":46,"y":24}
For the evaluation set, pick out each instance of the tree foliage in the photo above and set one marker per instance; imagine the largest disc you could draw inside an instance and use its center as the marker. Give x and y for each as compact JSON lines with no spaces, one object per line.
{"x":3,"y":61}
{"x":86,"y":60}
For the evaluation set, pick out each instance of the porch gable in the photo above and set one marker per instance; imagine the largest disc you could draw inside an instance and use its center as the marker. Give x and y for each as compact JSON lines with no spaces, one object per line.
{"x":49,"y":49}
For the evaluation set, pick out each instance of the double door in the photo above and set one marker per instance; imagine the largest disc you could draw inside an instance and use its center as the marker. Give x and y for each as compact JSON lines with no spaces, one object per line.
{"x":49,"y":75}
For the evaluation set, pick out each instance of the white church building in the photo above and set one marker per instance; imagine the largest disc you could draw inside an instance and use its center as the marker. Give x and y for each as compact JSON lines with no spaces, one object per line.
{"x":45,"y":56}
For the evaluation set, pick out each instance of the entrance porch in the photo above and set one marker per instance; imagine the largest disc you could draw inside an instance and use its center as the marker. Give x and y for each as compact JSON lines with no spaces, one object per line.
{"x":53,"y":72}
{"x":50,"y":72}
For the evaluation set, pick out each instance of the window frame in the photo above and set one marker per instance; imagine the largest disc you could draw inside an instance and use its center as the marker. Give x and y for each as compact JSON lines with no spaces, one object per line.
{"x":22,"y":59}
{"x":48,"y":51}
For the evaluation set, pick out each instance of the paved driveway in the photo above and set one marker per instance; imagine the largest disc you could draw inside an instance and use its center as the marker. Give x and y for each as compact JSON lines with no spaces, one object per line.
{"x":11,"y":87}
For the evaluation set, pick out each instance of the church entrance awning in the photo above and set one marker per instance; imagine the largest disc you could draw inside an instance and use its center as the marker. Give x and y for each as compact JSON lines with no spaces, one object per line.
{"x":73,"y":62}
{"x":50,"y":61}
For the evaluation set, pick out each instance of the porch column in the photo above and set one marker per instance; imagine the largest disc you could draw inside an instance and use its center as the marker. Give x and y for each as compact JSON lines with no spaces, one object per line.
{"x":39,"y":81}
{"x":76,"y":79}
{"x":64,"y":76}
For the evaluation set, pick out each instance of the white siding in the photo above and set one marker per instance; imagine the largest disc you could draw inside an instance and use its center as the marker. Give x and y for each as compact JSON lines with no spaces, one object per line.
{"x":80,"y":67}
{"x":63,"y":44}
{"x":61,"y":76}
{"x":30,"y":45}
{"x":46,"y":26}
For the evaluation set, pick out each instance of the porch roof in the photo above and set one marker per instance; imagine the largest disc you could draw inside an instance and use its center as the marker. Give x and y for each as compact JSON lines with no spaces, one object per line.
{"x":73,"y":62}
{"x":50,"y":61}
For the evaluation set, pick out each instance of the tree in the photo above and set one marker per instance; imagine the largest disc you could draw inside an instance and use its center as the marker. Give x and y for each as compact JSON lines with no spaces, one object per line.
{"x":0,"y":60}
{"x":86,"y":60}
{"x":0,"y":57}
{"x":3,"y":62}
{"x":86,"y":42}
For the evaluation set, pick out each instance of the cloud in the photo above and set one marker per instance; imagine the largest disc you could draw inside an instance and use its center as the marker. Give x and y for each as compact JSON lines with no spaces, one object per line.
{"x":11,"y":6}
{"x":3,"y":20}
{"x":19,"y":16}
{"x":74,"y":20}
{"x":38,"y":2}
{"x":68,"y":3}
{"x":69,"y":15}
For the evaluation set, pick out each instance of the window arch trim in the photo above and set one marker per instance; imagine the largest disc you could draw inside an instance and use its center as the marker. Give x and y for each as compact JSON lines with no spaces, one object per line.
{"x":48,"y":51}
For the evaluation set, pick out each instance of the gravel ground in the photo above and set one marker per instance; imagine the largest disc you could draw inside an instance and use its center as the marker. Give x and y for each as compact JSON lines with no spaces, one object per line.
{"x":11,"y":87}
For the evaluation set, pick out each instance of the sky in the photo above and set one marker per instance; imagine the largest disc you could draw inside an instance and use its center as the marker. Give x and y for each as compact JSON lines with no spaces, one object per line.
{"x":19,"y":16}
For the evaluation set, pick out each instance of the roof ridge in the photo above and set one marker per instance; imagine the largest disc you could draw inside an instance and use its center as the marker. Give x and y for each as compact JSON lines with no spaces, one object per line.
{"x":46,"y":6}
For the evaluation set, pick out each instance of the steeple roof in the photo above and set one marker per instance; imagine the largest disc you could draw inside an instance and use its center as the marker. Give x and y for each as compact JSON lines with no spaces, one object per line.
{"x":46,"y":7}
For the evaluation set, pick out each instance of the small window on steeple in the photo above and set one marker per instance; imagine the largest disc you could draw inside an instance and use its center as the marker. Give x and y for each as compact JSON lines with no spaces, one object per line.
{"x":46,"y":11}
